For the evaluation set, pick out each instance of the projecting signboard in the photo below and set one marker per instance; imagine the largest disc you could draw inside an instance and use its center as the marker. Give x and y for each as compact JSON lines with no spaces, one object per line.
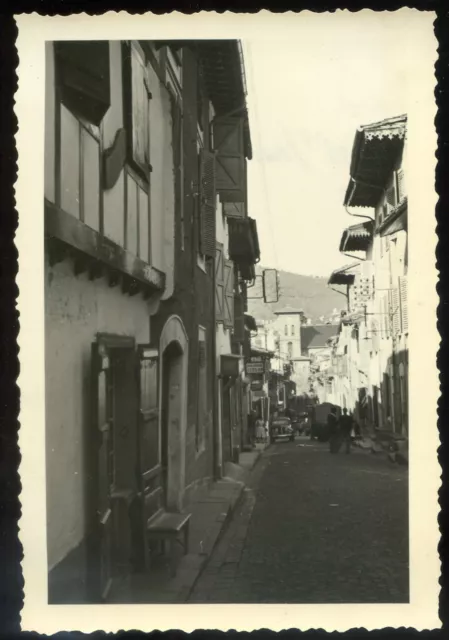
{"x":256,"y":359}
{"x":254,"y":367}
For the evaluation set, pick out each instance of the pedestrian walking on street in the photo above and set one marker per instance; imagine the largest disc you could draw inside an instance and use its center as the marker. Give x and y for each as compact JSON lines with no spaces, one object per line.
{"x":346,"y":424}
{"x":260,"y":429}
{"x":252,"y":428}
{"x":332,"y":423}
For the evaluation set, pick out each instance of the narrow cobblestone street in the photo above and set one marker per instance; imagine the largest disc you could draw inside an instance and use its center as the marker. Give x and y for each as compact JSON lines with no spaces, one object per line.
{"x":314,"y":528}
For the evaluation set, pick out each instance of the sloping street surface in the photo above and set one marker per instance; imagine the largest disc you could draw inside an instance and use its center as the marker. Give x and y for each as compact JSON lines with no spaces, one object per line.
{"x":314,"y":528}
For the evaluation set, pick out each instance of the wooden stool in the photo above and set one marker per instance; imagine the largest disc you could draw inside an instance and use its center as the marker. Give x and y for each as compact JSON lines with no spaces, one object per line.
{"x":165,"y":526}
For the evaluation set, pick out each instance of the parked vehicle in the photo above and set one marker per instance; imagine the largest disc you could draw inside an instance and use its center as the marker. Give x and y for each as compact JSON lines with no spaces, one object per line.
{"x":319,"y":428}
{"x":281,"y":429}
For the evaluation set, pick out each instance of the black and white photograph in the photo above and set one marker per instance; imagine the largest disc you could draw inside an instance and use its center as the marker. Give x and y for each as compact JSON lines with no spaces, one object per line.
{"x":229,"y":273}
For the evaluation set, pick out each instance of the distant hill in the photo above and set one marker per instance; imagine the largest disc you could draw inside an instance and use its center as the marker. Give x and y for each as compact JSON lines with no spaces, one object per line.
{"x":309,"y":293}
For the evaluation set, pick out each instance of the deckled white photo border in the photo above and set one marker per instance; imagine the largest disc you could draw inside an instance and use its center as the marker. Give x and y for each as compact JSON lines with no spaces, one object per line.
{"x":422,"y":611}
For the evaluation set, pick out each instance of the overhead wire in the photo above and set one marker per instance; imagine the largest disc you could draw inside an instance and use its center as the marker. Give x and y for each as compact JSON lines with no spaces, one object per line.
{"x":267,"y":207}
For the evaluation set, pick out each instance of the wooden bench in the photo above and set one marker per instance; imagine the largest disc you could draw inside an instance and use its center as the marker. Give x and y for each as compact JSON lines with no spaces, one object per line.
{"x":165,"y":526}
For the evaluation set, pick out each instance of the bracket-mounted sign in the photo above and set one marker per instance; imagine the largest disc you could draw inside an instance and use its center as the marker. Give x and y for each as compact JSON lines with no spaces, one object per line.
{"x":270,"y":286}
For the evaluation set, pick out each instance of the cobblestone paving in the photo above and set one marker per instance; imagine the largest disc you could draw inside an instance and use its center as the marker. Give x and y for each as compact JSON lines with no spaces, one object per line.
{"x":314,"y":528}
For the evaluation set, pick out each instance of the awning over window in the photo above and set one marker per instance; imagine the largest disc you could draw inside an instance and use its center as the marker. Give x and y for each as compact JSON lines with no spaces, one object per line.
{"x":358,"y":237}
{"x":375,"y":150}
{"x":343,"y":276}
{"x":243,"y":241}
{"x":396,"y":221}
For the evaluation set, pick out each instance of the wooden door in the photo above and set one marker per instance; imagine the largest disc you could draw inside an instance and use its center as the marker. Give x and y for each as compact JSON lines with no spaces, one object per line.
{"x":101,"y":562}
{"x":149,"y":438}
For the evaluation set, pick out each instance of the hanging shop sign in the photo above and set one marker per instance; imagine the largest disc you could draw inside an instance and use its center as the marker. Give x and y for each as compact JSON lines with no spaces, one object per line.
{"x":256,"y":385}
{"x":254,"y":367}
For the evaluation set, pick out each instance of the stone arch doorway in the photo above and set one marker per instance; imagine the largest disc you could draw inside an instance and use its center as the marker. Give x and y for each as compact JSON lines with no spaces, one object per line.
{"x":173,"y":414}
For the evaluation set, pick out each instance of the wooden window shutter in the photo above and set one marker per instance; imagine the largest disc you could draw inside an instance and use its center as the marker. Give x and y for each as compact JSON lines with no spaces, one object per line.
{"x":219,"y":283}
{"x":395,"y":311}
{"x":404,"y":303}
{"x":231,"y":173}
{"x":137,"y":111}
{"x":207,"y":203}
{"x":234,"y":209}
{"x":228,"y":317}
{"x":239,"y":318}
{"x":102,"y":451}
{"x":83,"y":75}
{"x":148,"y":406}
{"x":390,"y":199}
{"x":400,"y":185}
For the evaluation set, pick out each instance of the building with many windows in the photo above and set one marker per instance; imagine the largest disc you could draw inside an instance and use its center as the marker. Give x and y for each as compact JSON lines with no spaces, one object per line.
{"x":140,"y":304}
{"x":370,"y":373}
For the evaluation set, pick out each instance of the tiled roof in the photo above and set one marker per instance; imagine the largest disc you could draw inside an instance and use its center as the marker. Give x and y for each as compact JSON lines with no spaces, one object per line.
{"x":375,"y":150}
{"x":287,"y":310}
{"x":316,"y":336}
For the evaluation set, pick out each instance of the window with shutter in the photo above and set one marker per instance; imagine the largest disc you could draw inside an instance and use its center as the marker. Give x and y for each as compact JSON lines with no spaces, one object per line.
{"x":103,"y":466}
{"x":400,"y":185}
{"x":234,"y":209}
{"x":83,"y":75}
{"x":239,"y":318}
{"x":228,"y":317}
{"x":207,"y":203}
{"x":395,"y":311}
{"x":219,"y":283}
{"x":178,"y":154}
{"x":231,"y":174}
{"x":202,"y":391}
{"x":137,"y":109}
{"x":404,"y":303}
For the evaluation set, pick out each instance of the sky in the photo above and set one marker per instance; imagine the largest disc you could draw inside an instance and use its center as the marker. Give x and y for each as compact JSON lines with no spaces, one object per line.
{"x":307,"y":94}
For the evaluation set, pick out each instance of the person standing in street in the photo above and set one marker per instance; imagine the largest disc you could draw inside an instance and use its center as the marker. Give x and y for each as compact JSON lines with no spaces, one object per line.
{"x":346,"y":424}
{"x":260,"y":429}
{"x":332,"y":423}
{"x":252,"y":428}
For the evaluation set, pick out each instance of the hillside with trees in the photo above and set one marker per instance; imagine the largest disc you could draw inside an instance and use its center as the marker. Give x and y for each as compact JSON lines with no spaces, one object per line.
{"x":309,"y":293}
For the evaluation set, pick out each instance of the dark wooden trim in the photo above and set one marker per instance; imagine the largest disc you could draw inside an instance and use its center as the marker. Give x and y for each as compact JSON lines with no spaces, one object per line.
{"x":114,"y":159}
{"x":152,"y":473}
{"x":115,"y":341}
{"x":143,"y":184}
{"x":88,"y":242}
{"x":125,"y":207}
{"x":101,"y":179}
{"x":57,"y":125}
{"x":81,"y":170}
{"x":151,"y":58}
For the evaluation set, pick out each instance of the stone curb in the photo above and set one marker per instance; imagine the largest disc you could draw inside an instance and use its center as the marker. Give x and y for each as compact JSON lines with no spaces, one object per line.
{"x":230,"y":511}
{"x":233,"y":506}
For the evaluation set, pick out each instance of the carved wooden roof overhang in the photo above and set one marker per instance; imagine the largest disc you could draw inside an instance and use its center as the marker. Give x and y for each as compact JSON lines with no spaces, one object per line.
{"x":224,"y":77}
{"x":395,"y":221}
{"x":358,"y":237}
{"x":375,"y":151}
